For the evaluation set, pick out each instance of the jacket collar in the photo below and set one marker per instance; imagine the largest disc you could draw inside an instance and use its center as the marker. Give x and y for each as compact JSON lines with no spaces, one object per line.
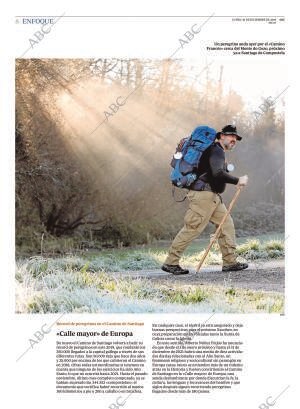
{"x":218,"y":144}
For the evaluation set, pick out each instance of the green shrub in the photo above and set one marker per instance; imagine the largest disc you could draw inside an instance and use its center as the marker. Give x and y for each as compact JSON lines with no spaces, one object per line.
{"x":274,"y":245}
{"x":253,"y":244}
{"x":183,"y":296}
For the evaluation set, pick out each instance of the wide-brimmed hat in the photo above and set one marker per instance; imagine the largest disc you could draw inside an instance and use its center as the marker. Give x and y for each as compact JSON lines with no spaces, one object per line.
{"x":231,"y":130}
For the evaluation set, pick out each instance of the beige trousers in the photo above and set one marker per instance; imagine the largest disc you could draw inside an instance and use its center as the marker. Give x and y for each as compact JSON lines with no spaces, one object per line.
{"x":204,"y":207}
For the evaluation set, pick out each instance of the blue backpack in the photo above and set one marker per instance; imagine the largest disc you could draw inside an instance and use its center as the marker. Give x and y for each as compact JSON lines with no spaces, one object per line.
{"x":187,"y":157}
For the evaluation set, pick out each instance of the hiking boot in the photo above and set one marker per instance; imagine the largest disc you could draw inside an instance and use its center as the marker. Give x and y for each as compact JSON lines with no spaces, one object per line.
{"x":176,"y":270}
{"x":235,"y":267}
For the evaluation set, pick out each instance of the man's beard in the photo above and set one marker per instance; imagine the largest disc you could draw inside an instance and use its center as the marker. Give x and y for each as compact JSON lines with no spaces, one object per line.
{"x":229,"y":146}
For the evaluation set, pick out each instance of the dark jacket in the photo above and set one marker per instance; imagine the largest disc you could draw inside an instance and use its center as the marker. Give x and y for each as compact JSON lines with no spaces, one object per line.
{"x":212,"y":170}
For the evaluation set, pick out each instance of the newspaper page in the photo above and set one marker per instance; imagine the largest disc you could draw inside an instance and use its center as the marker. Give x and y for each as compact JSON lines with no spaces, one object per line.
{"x":147,"y":211}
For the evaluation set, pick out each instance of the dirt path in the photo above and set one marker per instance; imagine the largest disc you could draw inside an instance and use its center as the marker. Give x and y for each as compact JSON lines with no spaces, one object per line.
{"x":266,"y":276}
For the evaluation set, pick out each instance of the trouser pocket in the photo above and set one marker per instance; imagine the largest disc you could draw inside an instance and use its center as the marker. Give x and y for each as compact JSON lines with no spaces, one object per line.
{"x":195,"y":216}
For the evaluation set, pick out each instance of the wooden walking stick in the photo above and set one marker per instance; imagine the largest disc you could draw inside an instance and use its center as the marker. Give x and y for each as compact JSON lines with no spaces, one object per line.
{"x":215,"y":236}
